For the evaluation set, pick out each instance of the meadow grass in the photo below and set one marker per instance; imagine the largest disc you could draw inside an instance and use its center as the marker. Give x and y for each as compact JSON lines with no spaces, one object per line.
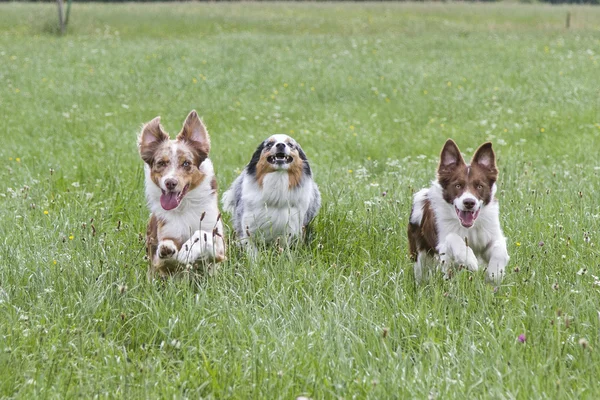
{"x":371,"y":91}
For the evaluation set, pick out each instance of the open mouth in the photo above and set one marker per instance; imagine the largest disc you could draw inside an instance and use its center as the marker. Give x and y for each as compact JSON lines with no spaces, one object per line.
{"x":171,"y":200}
{"x":280,"y":158}
{"x":467,"y":218}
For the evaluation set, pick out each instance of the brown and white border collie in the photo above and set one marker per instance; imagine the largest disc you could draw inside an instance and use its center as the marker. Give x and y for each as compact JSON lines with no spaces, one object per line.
{"x":275,"y":196}
{"x":185,"y":225}
{"x":455,"y":222}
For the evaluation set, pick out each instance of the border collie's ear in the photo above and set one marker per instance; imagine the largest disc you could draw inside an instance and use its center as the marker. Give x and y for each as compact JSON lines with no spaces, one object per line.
{"x":450,"y":157}
{"x":151,"y":136}
{"x":251,"y":167}
{"x":194,"y":132}
{"x":485,"y":157}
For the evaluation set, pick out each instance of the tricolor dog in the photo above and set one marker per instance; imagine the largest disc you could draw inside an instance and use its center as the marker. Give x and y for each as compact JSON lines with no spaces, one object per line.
{"x":455,"y":222}
{"x":275,"y":197}
{"x":181,"y":190}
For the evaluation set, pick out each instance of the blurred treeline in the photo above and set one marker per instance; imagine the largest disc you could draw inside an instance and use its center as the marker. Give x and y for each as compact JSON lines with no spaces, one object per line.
{"x":141,"y":1}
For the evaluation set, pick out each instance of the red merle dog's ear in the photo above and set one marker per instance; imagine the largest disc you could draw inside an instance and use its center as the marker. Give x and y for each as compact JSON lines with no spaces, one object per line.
{"x":196,"y":135}
{"x":485,"y":157}
{"x":150,"y":138}
{"x":450,"y":158}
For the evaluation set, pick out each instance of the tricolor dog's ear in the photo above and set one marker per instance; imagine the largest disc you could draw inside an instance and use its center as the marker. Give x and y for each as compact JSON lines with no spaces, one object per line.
{"x":450,"y":158}
{"x":485,"y":157}
{"x":150,"y":138}
{"x":196,"y":135}
{"x":251,"y":167}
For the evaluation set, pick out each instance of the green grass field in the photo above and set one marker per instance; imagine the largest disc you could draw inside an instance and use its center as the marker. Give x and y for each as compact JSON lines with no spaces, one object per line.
{"x":371,"y":91}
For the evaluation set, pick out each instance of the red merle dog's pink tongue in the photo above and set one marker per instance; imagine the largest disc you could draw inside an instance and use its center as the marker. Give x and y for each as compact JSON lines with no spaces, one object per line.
{"x":169,"y":200}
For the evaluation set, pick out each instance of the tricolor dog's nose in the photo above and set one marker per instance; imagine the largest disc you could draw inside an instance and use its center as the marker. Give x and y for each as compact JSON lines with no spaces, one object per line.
{"x":171,"y":184}
{"x":469,"y":203}
{"x":280,"y":146}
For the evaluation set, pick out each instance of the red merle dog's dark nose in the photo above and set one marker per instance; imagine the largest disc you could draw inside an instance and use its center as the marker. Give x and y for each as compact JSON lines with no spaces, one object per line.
{"x":469,"y":203}
{"x":171,"y":184}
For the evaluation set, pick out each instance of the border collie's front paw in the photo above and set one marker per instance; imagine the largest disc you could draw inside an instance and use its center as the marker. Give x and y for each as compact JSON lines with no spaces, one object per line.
{"x":166,"y":249}
{"x":497,"y":268}
{"x":471,"y":262}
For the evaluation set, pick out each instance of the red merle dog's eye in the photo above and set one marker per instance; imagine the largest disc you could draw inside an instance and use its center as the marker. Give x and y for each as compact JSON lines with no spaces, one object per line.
{"x":161,"y":163}
{"x":186,"y":164}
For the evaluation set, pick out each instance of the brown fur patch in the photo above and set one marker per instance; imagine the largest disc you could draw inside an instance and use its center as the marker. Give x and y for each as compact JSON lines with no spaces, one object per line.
{"x":262,"y":169}
{"x":195,"y":135}
{"x":188,"y":174}
{"x":150,"y":139}
{"x":151,"y":238}
{"x":484,"y":172}
{"x":295,"y":170}
{"x":423,"y":237}
{"x":213,"y":185}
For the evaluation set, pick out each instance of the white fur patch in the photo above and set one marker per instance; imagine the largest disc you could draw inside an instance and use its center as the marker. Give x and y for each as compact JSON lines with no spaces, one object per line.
{"x":419,"y":200}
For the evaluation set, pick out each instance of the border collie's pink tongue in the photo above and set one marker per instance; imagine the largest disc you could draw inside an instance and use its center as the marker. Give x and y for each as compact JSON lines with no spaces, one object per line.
{"x":467,"y":218}
{"x":169,"y":200}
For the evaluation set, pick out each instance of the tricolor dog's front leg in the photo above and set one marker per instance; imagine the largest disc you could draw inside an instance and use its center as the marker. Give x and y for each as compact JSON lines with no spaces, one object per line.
{"x":498,"y":256}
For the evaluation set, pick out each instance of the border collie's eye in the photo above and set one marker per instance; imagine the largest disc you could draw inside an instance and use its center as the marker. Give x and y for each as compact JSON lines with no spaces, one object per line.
{"x":479,"y":186}
{"x":458,"y":186}
{"x":186,"y":164}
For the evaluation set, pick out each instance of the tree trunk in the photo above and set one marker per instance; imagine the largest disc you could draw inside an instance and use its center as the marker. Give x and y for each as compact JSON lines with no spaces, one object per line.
{"x":61,"y":22}
{"x":68,"y":13}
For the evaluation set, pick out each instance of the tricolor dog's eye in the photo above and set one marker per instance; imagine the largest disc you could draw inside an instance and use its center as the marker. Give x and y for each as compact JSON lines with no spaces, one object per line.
{"x":186,"y":164}
{"x":291,"y":145}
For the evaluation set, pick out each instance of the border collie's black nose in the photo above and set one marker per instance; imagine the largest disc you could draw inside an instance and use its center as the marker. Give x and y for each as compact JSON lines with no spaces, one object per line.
{"x":171,"y":184}
{"x":280,"y":146}
{"x":469,"y":203}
